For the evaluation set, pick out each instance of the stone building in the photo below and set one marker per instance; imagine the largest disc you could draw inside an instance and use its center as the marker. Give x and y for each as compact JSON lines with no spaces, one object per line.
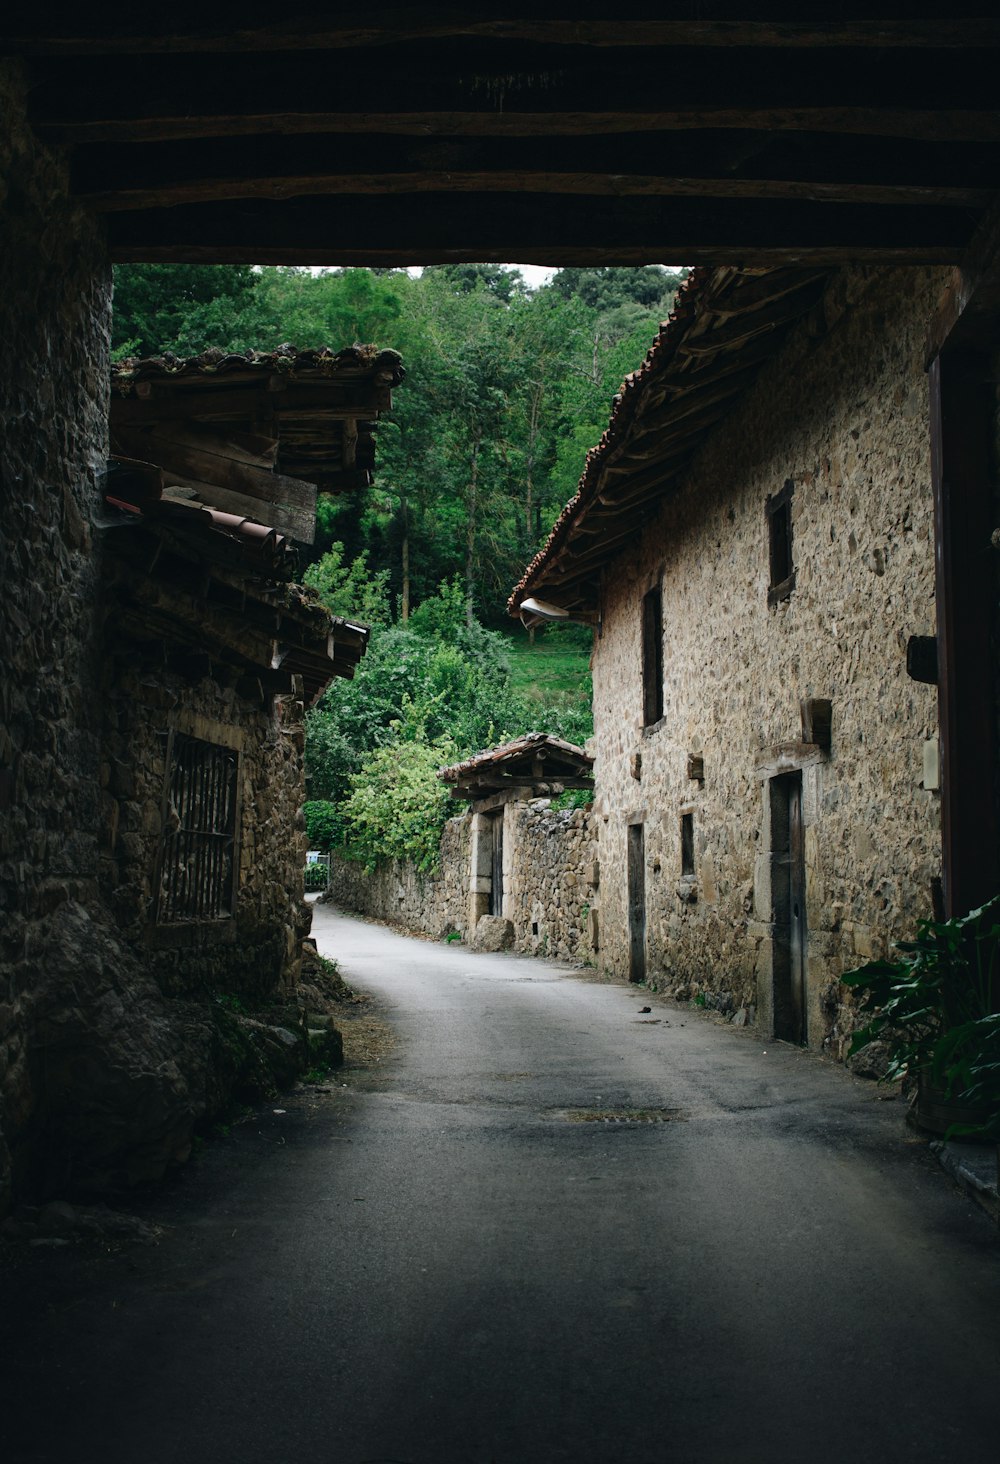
{"x":513,"y":871}
{"x":753,"y":540}
{"x":171,"y":895}
{"x":108,"y":150}
{"x":526,"y":873}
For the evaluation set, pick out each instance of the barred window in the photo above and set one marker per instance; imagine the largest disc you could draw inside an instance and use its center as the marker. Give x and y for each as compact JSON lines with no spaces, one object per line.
{"x":198,"y":854}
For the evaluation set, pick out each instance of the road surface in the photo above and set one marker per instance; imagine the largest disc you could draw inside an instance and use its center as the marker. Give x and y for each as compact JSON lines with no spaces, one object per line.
{"x":550,"y":1229}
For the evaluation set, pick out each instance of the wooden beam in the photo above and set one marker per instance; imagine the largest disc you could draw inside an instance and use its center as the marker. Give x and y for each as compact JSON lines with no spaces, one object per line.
{"x":945,"y":124}
{"x":878,"y":170}
{"x":962,"y":427}
{"x":77,"y":32}
{"x":485,"y":227}
{"x":284,"y":503}
{"x":621,"y":184}
{"x":969,"y":312}
{"x":193,"y":399}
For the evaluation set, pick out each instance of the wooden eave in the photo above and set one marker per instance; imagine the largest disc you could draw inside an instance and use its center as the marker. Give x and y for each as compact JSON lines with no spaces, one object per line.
{"x":533,"y":763}
{"x":726,"y":325}
{"x":257,"y":434}
{"x":166,"y":592}
{"x":707,"y":136}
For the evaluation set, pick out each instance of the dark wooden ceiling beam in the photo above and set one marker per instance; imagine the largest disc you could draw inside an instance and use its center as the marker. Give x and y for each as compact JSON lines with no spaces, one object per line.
{"x":75,"y":30}
{"x":614,"y":185}
{"x":275,"y":166}
{"x":444,"y":89}
{"x":481,"y":226}
{"x":927,"y":124}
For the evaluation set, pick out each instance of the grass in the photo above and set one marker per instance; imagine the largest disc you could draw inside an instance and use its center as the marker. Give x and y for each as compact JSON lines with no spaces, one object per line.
{"x":555,"y":671}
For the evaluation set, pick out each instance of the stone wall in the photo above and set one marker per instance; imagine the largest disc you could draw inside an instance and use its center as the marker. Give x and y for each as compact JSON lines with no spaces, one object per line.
{"x":110,"y":1052}
{"x":548,"y":869}
{"x":429,"y":904}
{"x":843,"y":412}
{"x":255,"y":953}
{"x":548,"y":879}
{"x":55,"y":311}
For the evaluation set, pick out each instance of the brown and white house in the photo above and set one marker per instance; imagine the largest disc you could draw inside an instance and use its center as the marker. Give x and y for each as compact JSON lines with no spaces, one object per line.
{"x":753,"y":542}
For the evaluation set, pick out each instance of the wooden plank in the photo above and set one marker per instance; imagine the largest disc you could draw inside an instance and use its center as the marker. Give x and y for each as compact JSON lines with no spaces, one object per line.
{"x":503,"y":80}
{"x":621,"y":184}
{"x":944,"y":124}
{"x":194,"y":462}
{"x":253,"y":450}
{"x":486,"y":227}
{"x":288,"y":517}
{"x":962,"y":422}
{"x":176,"y":401}
{"x":182,"y":170}
{"x":33,"y":32}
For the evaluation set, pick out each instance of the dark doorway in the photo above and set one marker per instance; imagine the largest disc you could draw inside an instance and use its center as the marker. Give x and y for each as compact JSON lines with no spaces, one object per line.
{"x":636,"y":903}
{"x":788,"y":908}
{"x":496,"y":864}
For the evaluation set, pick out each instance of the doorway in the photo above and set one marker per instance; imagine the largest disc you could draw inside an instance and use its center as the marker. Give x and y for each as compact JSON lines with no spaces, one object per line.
{"x":636,"y":903}
{"x":496,"y":864}
{"x":788,"y":909}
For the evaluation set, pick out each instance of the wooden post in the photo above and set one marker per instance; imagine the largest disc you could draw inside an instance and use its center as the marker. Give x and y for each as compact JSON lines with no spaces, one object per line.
{"x":962,"y":411}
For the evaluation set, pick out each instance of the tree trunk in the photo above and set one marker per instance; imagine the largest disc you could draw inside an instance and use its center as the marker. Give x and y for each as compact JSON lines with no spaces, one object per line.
{"x":470,"y":542}
{"x":404,"y":603}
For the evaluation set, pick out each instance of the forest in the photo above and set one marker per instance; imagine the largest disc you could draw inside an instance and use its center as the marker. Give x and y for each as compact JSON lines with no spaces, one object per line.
{"x":507,"y":387}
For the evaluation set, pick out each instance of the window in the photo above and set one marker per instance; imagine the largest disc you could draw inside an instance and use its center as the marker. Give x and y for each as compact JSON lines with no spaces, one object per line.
{"x":687,"y":844}
{"x":779,"y":538}
{"x":198,"y":850}
{"x":652,"y":657}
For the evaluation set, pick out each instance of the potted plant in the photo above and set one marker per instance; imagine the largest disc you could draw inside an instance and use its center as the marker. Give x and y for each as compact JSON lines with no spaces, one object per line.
{"x":936,"y":1009}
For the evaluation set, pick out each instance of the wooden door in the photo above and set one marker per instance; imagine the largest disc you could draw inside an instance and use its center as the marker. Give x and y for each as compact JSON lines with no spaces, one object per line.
{"x":496,"y":864}
{"x":637,"y":902}
{"x":788,"y":908}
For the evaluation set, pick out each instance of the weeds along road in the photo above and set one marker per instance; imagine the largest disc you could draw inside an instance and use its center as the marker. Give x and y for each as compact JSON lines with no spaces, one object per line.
{"x":550,"y":1227}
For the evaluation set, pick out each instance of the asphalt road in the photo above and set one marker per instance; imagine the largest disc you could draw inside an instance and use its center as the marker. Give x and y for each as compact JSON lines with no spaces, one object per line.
{"x":455,"y":1261}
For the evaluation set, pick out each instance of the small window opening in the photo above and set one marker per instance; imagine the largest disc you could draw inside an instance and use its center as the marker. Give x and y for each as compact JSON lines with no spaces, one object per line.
{"x":687,"y":843}
{"x":534,"y":927}
{"x":197,"y":863}
{"x":779,"y":537}
{"x":652,"y":657}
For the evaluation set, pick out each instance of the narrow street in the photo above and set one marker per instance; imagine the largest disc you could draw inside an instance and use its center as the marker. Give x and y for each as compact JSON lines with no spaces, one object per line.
{"x":550,"y":1227}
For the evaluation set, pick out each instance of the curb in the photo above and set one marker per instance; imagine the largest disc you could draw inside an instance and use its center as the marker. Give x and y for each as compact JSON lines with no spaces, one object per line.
{"x":975,"y":1169}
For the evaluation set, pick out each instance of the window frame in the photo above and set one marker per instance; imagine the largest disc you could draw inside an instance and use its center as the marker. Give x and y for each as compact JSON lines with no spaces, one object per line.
{"x":165,"y":916}
{"x":652,"y":656}
{"x":780,"y":544}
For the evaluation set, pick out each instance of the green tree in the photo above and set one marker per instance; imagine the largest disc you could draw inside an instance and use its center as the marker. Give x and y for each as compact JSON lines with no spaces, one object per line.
{"x":184,"y":308}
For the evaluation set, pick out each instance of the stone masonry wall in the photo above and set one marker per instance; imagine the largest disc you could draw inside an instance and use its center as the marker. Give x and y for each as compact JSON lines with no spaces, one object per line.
{"x":109,"y":1053}
{"x":844,"y":413}
{"x":548,"y":879}
{"x":257,"y":952}
{"x":55,"y":312}
{"x":429,"y":904}
{"x":548,"y":869}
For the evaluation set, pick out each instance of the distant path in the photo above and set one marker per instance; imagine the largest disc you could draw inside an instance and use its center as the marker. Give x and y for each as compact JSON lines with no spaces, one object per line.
{"x":447,"y":1263}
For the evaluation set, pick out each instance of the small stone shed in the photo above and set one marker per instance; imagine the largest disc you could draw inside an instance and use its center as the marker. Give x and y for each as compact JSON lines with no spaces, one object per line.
{"x":754,"y":539}
{"x":525,"y":869}
{"x":205,"y":655}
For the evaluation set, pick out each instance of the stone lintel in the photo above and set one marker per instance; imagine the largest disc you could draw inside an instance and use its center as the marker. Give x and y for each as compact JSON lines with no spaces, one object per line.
{"x":787,"y":757}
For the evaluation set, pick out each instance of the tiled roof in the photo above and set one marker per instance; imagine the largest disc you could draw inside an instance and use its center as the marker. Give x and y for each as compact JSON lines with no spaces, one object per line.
{"x":530,"y":742}
{"x":725,"y":324}
{"x":287,"y":360}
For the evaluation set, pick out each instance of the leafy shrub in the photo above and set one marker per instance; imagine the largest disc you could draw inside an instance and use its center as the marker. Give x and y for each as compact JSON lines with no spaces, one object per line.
{"x":322,"y":824}
{"x":397,"y":805}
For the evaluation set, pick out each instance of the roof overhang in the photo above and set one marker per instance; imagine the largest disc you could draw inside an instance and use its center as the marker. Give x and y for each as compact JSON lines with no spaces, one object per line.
{"x":727,"y":323}
{"x":535,"y":764}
